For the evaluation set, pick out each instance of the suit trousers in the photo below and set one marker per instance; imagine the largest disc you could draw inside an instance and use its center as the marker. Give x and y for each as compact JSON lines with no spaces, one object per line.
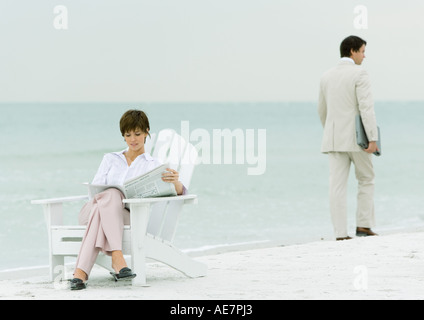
{"x":339,"y":172}
{"x":105,"y":217}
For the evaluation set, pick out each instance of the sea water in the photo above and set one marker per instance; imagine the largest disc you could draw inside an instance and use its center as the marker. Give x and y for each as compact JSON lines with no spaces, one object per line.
{"x":49,"y":150}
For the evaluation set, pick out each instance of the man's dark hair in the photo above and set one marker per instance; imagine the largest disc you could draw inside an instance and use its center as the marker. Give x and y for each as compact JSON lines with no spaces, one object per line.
{"x":351,"y":43}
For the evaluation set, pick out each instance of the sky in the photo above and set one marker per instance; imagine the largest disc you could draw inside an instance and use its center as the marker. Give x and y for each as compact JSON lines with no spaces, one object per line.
{"x":202,"y":50}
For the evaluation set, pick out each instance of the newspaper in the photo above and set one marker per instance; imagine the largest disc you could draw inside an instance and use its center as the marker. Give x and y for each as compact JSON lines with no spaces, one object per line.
{"x":147,"y":185}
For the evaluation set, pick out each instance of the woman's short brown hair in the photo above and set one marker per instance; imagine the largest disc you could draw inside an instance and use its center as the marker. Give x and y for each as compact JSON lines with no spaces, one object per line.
{"x":132,"y":120}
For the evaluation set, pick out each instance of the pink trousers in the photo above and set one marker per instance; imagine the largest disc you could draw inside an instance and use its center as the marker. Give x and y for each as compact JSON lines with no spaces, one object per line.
{"x":105,"y":217}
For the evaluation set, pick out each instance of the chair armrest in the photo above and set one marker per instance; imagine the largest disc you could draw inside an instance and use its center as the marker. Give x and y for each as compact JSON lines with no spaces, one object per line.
{"x":60,"y":200}
{"x":188,"y":198}
{"x":53,"y":208}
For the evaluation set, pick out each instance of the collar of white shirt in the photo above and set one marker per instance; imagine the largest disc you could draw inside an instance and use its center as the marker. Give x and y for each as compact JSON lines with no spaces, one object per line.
{"x":146,"y":155}
{"x":347,"y":59}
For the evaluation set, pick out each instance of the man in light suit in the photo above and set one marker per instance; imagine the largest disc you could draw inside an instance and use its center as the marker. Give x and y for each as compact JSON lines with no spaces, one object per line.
{"x":345,"y":92}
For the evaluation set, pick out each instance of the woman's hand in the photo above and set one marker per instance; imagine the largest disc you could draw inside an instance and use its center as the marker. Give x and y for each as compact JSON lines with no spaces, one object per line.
{"x":173,"y":176}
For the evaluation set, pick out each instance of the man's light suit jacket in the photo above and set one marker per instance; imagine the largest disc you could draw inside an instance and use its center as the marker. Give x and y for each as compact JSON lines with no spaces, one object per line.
{"x":345,"y":91}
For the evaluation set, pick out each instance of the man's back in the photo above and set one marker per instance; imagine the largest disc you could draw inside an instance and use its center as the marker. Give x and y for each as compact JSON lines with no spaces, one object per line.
{"x":345,"y":91}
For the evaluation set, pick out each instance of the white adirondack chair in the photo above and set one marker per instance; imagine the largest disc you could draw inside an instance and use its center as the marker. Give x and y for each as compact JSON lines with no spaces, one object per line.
{"x":153,"y":220}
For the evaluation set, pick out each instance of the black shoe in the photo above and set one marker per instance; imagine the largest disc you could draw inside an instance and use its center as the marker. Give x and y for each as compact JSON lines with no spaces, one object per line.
{"x":77,"y":284}
{"x":124,"y":274}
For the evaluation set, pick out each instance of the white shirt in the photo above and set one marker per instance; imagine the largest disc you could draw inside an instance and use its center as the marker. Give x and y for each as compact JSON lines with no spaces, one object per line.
{"x":114,"y":169}
{"x":347,"y":59}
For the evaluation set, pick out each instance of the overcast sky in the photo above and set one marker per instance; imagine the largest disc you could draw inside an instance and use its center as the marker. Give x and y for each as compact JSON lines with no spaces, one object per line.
{"x":202,"y":50}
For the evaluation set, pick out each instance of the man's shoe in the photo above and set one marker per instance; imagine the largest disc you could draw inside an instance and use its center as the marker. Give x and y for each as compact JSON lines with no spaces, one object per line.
{"x":77,"y":284}
{"x":365,"y":232}
{"x":344,"y":238}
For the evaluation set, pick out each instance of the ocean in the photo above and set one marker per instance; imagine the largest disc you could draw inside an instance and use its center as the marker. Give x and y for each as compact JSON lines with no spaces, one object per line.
{"x":48,"y":150}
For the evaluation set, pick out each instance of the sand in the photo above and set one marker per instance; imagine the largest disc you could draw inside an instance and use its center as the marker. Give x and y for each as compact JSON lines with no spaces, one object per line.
{"x":384,"y":267}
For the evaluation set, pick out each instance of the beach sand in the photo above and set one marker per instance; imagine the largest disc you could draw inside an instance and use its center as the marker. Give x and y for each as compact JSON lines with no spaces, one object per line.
{"x":384,"y":267}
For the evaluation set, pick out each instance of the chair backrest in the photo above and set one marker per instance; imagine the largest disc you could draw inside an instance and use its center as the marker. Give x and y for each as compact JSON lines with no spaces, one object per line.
{"x":168,"y":146}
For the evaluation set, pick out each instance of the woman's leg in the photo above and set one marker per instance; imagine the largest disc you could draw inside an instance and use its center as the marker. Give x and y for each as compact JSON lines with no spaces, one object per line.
{"x":118,"y":261}
{"x":104,"y":232}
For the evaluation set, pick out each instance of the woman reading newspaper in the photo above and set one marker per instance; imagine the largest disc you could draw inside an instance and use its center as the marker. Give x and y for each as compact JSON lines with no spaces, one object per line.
{"x":105,"y":214}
